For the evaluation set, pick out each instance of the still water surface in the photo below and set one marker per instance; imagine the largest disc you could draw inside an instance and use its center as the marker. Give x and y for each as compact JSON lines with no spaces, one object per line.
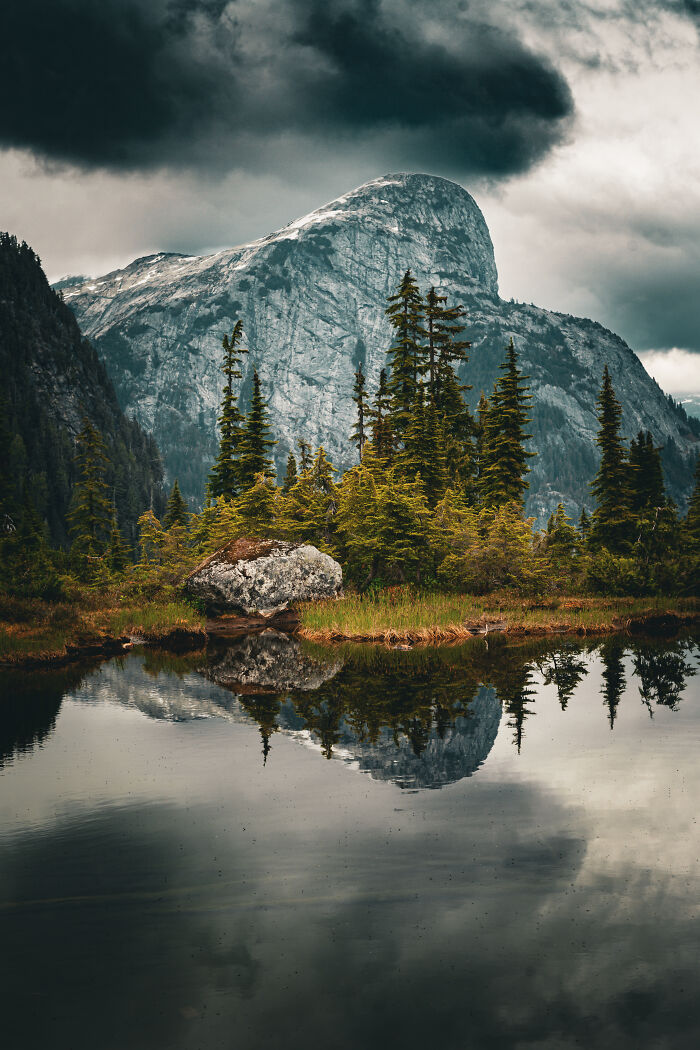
{"x":484,"y":847}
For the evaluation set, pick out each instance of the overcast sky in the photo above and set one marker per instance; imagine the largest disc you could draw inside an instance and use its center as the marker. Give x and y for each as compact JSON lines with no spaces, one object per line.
{"x":133,"y":126}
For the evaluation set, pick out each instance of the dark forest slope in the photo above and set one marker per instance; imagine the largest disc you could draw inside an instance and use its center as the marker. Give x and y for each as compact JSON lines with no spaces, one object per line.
{"x":51,"y":379}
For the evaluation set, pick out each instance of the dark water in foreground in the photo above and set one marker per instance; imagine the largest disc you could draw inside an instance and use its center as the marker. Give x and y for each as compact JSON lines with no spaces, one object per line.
{"x":501,"y":851}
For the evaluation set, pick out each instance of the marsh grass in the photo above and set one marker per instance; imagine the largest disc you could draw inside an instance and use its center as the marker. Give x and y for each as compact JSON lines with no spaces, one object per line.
{"x":34,"y":630}
{"x":154,"y":620}
{"x":405,"y":614}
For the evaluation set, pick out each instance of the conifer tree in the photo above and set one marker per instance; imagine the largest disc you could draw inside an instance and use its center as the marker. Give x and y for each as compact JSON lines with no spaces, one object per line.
{"x":502,"y":478}
{"x":561,"y":541}
{"x":380,"y":416}
{"x":224,"y":479}
{"x":308,"y":512}
{"x":584,"y":525}
{"x":305,"y":457}
{"x":646,"y":478}
{"x":611,"y":518}
{"x":359,"y":396}
{"x":480,"y":447}
{"x":116,"y":551}
{"x":255,"y":442}
{"x":291,"y":476}
{"x":692,"y":519}
{"x":406,"y":354}
{"x":91,"y":514}
{"x":423,"y":454}
{"x":444,"y":347}
{"x":176,"y":512}
{"x":256,"y":506}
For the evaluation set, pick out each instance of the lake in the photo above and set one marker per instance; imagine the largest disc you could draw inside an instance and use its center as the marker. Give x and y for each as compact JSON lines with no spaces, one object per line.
{"x":488,"y":846}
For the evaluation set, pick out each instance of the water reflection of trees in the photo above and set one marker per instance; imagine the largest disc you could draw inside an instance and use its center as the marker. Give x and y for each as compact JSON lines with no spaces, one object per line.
{"x":413,"y":695}
{"x":29,"y":705}
{"x":422,"y":694}
{"x":662,"y":669}
{"x":612,"y":653}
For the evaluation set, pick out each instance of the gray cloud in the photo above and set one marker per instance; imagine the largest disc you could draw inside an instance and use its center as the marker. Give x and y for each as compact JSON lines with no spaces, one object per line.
{"x":137,"y":84}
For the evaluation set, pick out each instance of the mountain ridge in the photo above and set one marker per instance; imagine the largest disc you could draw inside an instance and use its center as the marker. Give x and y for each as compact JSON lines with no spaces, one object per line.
{"x":312,"y":297}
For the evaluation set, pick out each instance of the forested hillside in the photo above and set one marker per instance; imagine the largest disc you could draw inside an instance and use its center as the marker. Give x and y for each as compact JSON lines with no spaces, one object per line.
{"x":53,"y":380}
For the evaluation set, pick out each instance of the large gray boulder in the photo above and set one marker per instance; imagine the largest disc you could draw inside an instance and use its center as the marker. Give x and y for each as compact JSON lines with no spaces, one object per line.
{"x":263,"y":577}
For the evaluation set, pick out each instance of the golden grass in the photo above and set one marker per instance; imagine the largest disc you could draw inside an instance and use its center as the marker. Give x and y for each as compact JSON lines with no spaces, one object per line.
{"x":155,"y":620}
{"x":404,"y":614}
{"x":42,"y":632}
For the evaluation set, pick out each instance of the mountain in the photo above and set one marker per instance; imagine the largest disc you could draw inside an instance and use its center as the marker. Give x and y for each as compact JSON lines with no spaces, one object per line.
{"x":312,"y":298}
{"x":51,"y":379}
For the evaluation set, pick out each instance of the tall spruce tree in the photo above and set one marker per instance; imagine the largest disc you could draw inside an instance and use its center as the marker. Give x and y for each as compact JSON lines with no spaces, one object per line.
{"x":291,"y":476}
{"x":176,"y":511}
{"x":305,"y":457}
{"x":117,"y":554}
{"x":224,"y":479}
{"x":504,"y":457}
{"x":646,"y":478}
{"x":359,"y":396}
{"x":444,"y":346}
{"x":255,"y":442}
{"x":692,"y":518}
{"x":611,"y":523}
{"x":407,"y":352}
{"x":380,"y":416}
{"x":423,"y":453}
{"x":90,"y":516}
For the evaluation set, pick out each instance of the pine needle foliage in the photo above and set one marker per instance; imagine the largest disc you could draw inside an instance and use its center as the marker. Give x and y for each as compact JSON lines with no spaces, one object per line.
{"x":359,"y":396}
{"x":407,"y":355}
{"x":503,"y":461}
{"x":291,"y":476}
{"x":380,"y":421}
{"x":90,"y":516}
{"x":225,"y":479}
{"x":176,"y":511}
{"x":611,"y":524}
{"x":255,"y":441}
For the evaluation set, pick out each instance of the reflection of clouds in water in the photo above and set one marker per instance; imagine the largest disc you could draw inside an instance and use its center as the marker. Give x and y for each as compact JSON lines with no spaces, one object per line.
{"x":167,"y":927}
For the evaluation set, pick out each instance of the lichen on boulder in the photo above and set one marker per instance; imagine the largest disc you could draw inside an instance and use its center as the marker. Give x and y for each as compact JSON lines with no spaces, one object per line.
{"x":264,"y":577}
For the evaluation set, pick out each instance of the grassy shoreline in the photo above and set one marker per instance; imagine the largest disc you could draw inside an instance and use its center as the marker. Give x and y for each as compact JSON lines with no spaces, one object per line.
{"x":405,"y":616}
{"x":40,"y":634}
{"x":37,"y":633}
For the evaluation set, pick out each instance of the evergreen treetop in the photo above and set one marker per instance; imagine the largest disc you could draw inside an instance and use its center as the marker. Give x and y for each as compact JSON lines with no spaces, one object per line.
{"x":224,"y":479}
{"x":406,"y":354}
{"x":611,"y":522}
{"x":176,"y":511}
{"x":291,"y":476}
{"x":255,"y":442}
{"x":380,"y":417}
{"x":503,"y":461}
{"x":90,"y":516}
{"x":359,"y":396}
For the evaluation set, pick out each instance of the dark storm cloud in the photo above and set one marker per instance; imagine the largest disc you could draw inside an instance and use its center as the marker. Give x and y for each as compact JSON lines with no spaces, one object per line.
{"x":131,"y":84}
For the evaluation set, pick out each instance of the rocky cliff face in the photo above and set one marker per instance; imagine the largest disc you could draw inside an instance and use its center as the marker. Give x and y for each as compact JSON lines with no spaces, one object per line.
{"x":312,"y":299}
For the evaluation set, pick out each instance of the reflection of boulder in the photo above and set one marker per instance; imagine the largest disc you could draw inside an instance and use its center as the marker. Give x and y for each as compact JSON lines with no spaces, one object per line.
{"x":265,"y":576}
{"x":458,"y":753}
{"x":270,"y":662}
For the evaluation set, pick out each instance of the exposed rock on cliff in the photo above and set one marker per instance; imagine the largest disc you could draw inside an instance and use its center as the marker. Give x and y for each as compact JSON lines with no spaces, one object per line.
{"x":312,"y":297}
